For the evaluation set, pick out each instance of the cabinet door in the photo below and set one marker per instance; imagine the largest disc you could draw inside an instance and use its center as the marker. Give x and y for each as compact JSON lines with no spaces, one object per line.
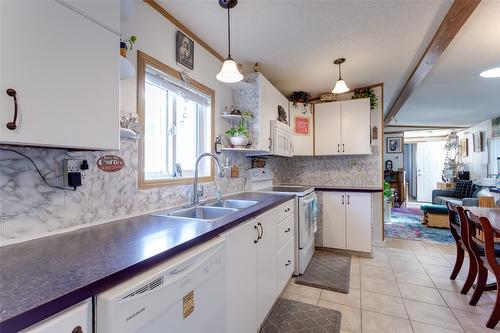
{"x":106,"y":12}
{"x":358,"y":222}
{"x":65,"y":70}
{"x":334,"y":231}
{"x":281,"y":143}
{"x":267,"y":272}
{"x":302,"y":143}
{"x":267,"y":108}
{"x":67,"y":321}
{"x":356,"y":126}
{"x":327,"y":129}
{"x":241,"y":286}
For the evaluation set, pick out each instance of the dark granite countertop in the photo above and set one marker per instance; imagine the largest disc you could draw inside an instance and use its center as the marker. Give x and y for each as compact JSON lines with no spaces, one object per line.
{"x":326,"y":188}
{"x":41,"y":277}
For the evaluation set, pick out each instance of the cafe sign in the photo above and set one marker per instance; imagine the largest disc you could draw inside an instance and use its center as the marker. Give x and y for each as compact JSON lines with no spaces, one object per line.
{"x":110,"y":163}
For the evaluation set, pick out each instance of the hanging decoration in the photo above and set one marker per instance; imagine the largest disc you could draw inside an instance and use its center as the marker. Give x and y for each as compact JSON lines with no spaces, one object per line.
{"x":453,"y":163}
{"x":366,"y":93}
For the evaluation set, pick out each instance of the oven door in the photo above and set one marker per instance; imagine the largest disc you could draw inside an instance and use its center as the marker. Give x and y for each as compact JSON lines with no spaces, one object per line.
{"x":306,"y":227}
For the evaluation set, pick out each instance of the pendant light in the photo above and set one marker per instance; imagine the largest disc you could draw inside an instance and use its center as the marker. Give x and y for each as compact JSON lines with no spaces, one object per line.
{"x":340,"y":86}
{"x":229,"y":72}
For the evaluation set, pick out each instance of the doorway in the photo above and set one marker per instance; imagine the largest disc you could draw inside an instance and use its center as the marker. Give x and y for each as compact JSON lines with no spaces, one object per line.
{"x":430,"y":158}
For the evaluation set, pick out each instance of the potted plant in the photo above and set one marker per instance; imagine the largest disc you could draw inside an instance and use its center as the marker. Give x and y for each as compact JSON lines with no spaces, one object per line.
{"x":124,"y":47}
{"x":238,"y":135}
{"x":387,"y":201}
{"x":300,"y":97}
{"x":366,"y":93}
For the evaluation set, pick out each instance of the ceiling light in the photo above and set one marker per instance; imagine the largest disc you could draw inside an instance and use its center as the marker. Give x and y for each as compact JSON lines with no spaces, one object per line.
{"x":340,"y":85}
{"x":494,"y":72}
{"x":229,"y":72}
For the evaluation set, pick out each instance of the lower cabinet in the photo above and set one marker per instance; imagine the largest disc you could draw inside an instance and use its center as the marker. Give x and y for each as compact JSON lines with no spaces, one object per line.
{"x":347,"y":222}
{"x":257,"y":269}
{"x":77,"y":319}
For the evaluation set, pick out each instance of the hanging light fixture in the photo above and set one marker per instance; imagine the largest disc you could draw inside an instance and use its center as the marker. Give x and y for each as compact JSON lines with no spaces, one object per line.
{"x":340,"y":86}
{"x":229,"y":72}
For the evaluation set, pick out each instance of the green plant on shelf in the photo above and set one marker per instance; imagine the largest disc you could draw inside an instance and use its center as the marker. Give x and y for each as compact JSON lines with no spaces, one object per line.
{"x":242,"y":128}
{"x":387,"y":190}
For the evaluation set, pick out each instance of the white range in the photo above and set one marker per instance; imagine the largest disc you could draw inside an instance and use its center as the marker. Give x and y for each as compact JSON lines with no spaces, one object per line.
{"x":261,"y":179}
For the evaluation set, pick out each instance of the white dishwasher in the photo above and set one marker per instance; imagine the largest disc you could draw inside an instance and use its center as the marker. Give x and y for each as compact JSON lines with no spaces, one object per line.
{"x":184,"y":294}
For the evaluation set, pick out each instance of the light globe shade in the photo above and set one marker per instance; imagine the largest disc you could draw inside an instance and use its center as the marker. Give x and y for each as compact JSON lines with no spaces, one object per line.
{"x":229,"y":72}
{"x":340,"y":87}
{"x":494,"y":72}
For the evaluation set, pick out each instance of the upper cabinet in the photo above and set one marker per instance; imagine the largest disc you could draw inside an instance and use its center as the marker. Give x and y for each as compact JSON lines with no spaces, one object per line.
{"x":342,"y":128}
{"x":260,"y":97}
{"x":301,"y":122}
{"x":63,"y":65}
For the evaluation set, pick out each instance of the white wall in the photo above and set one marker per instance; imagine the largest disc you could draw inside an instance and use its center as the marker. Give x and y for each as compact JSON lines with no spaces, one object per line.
{"x":396,"y":158}
{"x":477,"y":162}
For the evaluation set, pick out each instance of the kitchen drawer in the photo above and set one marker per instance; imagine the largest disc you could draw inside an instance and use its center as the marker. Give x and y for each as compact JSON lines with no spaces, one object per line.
{"x":285,"y":230}
{"x":286,"y":209}
{"x":285,"y":264}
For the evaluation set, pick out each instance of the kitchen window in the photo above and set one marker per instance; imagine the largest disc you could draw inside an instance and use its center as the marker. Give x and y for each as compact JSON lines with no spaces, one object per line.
{"x":177,"y":122}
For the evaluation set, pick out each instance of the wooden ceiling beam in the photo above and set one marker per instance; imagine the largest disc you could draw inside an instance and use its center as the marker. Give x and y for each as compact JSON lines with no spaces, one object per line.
{"x":456,"y":17}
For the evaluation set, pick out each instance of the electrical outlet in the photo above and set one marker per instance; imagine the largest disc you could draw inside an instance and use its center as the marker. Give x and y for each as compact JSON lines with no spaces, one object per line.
{"x":74,"y":165}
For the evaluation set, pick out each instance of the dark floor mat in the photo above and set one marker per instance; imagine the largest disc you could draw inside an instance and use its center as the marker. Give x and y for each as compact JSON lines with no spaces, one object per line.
{"x":328,"y":270}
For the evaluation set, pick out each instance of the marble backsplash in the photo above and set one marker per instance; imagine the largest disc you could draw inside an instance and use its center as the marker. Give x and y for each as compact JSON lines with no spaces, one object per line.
{"x":29,"y":208}
{"x":348,"y":170}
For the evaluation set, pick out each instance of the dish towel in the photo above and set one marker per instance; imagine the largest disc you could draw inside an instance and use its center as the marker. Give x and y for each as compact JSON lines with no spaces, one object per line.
{"x":314,"y":211}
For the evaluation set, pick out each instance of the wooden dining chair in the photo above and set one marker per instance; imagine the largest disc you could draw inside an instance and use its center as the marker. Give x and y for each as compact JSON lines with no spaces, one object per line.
{"x":489,"y":261}
{"x":459,"y":231}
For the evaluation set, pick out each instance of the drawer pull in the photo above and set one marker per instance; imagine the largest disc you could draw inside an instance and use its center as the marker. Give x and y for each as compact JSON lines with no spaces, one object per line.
{"x":288,"y":263}
{"x":12,"y":124}
{"x":77,"y":329}
{"x":288,"y":230}
{"x":287,"y":210}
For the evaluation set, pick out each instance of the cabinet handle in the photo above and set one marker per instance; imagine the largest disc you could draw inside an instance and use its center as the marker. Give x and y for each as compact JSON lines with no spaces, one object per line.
{"x":288,"y":262}
{"x":258,"y":235}
{"x":77,"y":329}
{"x":262,"y":230}
{"x":342,"y":199}
{"x":288,"y":230}
{"x":348,"y":197}
{"x":338,"y":147}
{"x":270,"y":143}
{"x":287,"y":210}
{"x":12,"y":124}
{"x":343,"y":148}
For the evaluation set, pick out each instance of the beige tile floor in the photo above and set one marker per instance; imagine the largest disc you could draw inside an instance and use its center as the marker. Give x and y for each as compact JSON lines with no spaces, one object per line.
{"x":404,"y":288}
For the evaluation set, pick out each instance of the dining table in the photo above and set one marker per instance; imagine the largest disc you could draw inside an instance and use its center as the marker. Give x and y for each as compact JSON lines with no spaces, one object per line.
{"x":492,"y":214}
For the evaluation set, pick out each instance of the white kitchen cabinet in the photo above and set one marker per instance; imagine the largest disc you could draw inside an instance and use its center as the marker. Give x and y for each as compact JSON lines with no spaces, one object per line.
{"x":281,"y":139}
{"x":327,"y":129}
{"x":358,"y":222}
{"x":241,"y":284}
{"x":356,"y":127}
{"x":257,"y":267}
{"x":77,"y":319}
{"x":347,"y":222}
{"x":260,"y":97}
{"x":342,"y":128}
{"x":106,"y":13}
{"x":303,"y":144}
{"x":267,"y":271}
{"x":64,"y":68}
{"x":334,"y":226}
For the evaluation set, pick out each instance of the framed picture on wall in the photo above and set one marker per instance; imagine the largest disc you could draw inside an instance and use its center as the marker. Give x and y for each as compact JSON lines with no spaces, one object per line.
{"x":184,"y":50}
{"x":477,"y":139}
{"x":394,"y":145}
{"x":464,"y":147}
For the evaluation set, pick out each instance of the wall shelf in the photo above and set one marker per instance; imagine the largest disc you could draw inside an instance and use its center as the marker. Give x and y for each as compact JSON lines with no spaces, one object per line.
{"x":239,"y":149}
{"x":233,"y":117}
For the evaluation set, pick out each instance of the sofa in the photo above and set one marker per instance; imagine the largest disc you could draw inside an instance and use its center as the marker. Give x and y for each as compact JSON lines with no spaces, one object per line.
{"x":440,"y":197}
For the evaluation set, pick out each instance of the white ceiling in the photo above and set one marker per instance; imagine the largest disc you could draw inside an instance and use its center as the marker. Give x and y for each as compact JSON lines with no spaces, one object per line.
{"x":453,"y":93}
{"x":296,"y":41}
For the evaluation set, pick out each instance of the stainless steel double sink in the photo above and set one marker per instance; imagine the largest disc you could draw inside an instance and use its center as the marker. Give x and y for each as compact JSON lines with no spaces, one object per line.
{"x":208,"y":212}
